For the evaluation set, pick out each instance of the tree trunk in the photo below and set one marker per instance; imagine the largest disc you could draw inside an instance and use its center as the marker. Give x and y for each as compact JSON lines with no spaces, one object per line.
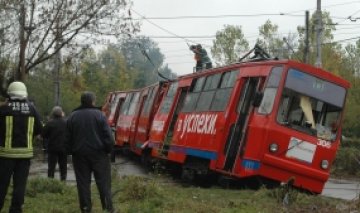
{"x":20,"y":75}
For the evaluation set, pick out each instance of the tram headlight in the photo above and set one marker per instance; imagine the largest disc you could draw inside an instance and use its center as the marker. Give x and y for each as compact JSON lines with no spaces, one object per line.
{"x":324,"y":164}
{"x":273,"y":147}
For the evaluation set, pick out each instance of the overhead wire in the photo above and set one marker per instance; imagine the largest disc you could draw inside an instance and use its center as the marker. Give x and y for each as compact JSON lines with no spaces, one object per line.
{"x":219,"y":16}
{"x":342,"y":40}
{"x":187,"y":38}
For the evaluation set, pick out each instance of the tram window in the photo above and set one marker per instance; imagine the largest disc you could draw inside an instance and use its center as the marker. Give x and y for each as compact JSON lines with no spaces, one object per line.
{"x":270,"y":91}
{"x":125,"y":107}
{"x":267,"y":101}
{"x":205,"y":101}
{"x":133,"y":104}
{"x":190,"y":102}
{"x":216,"y":90}
{"x":148,"y":102}
{"x":221,"y":99}
{"x":167,"y":102}
{"x":212,"y":82}
{"x":275,"y":77}
{"x":228,"y":79}
{"x":308,"y":114}
{"x":199,"y":84}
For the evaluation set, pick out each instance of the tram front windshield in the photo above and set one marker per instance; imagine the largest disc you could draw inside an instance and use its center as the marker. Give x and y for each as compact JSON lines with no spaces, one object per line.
{"x":311,"y":105}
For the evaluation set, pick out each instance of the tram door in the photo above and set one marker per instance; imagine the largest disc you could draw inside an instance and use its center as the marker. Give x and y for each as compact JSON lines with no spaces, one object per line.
{"x":238,"y":128}
{"x":178,"y":105}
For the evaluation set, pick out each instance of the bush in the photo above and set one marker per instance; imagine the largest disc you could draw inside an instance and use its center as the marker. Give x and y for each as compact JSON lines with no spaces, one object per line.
{"x":347,"y":161}
{"x":138,"y":188}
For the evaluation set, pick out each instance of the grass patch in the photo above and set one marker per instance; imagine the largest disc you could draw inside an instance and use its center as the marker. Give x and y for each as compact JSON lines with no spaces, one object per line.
{"x":45,"y":185}
{"x":159,"y":194}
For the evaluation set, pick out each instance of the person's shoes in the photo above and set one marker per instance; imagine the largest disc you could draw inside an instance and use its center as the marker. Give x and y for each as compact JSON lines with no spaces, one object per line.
{"x":85,"y":210}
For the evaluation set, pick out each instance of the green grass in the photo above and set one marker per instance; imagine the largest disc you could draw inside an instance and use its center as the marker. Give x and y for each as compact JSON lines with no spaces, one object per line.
{"x":159,"y":194}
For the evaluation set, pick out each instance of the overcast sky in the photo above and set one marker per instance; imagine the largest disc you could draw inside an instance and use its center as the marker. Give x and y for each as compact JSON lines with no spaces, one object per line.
{"x":167,"y":26}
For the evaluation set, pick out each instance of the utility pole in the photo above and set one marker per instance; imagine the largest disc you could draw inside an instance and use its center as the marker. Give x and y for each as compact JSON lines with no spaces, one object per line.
{"x":306,"y":50}
{"x":318,"y":34}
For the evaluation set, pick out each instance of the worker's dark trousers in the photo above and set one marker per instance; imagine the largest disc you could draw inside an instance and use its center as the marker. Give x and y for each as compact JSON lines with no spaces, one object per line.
{"x":53,"y":159}
{"x":99,"y":164}
{"x":19,"y":170}
{"x":198,"y":66}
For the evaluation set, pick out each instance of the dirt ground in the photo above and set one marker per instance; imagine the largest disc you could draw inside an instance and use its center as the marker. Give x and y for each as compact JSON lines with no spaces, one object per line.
{"x":122,"y":165}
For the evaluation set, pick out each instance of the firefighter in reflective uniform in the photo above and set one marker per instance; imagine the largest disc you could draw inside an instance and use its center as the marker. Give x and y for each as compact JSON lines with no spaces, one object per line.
{"x":19,"y":123}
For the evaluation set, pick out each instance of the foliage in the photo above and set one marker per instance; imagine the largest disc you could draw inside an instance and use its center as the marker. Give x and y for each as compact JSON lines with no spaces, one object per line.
{"x":327,"y":38}
{"x":104,"y":72}
{"x":100,"y":72}
{"x":271,"y":41}
{"x":229,"y":45}
{"x":144,"y":59}
{"x":347,"y":162}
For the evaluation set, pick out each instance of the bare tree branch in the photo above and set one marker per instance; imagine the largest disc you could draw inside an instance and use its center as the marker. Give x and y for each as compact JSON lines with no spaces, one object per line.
{"x":61,"y":22}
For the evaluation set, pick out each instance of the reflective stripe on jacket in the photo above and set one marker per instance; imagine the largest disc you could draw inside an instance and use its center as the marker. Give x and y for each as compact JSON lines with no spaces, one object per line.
{"x":19,"y":122}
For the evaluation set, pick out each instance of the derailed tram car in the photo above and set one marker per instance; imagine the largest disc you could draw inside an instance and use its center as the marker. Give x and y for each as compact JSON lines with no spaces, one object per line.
{"x":112,"y":105}
{"x":136,"y":115}
{"x":274,"y":119}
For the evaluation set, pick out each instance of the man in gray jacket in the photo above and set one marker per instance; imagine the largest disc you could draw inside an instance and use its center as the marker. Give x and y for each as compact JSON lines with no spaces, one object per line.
{"x":89,"y":140}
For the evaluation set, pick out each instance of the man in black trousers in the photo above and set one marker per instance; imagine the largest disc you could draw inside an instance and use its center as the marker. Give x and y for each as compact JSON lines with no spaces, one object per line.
{"x":54,"y":133}
{"x":89,"y":139}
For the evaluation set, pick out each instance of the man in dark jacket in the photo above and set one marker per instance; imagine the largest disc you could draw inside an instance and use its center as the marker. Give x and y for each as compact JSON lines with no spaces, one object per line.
{"x":19,"y":123}
{"x":202,"y":59}
{"x":90,"y":140}
{"x":54,"y":134}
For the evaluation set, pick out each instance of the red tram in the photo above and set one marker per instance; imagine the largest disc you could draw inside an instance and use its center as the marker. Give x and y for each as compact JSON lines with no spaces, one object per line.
{"x":276,"y":119}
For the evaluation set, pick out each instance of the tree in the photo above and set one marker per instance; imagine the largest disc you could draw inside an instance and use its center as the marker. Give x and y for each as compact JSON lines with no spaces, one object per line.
{"x":105,"y":72}
{"x":351,"y":71}
{"x":144,"y":58}
{"x":272,"y":42}
{"x":33,"y":31}
{"x":229,"y":45}
{"x":331,"y":51}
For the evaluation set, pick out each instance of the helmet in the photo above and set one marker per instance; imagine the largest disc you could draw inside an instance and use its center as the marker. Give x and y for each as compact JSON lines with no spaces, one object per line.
{"x":17,"y":89}
{"x":199,"y":46}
